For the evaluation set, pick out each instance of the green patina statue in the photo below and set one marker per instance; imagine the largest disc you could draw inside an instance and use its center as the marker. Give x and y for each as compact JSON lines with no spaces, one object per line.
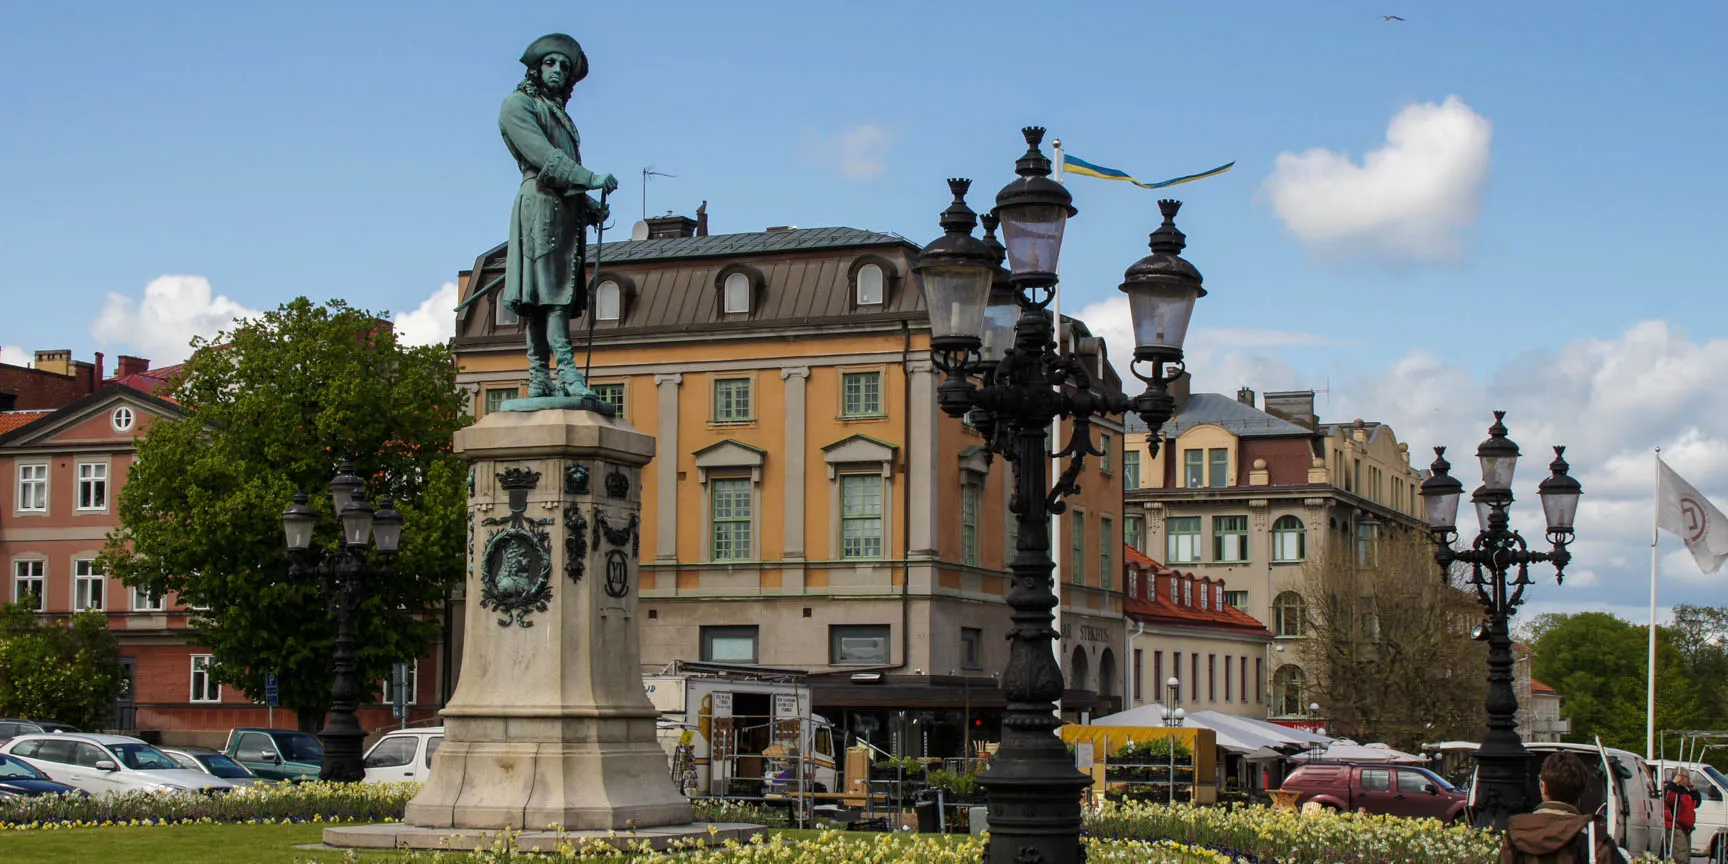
{"x":544,"y":267}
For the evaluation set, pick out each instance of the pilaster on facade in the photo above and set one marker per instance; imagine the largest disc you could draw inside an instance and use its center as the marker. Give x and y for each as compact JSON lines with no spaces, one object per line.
{"x":796,"y":378}
{"x":920,"y":469}
{"x":666,"y":469}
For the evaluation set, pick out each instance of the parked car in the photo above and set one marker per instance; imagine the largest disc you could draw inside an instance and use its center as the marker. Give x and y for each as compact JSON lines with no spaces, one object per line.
{"x":1395,"y":790}
{"x":99,"y":764}
{"x":1710,"y":830}
{"x":276,"y":754}
{"x":405,"y":754}
{"x":10,"y":728}
{"x":20,"y":779}
{"x":212,"y":762}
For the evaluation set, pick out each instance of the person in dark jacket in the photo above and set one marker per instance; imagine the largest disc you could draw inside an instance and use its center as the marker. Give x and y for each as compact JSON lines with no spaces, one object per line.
{"x":1679,"y":814}
{"x":1556,"y":833}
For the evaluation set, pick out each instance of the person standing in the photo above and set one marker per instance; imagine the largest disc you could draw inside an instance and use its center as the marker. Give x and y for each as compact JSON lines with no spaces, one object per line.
{"x":1556,"y":833}
{"x":1679,"y":813}
{"x":551,"y":213}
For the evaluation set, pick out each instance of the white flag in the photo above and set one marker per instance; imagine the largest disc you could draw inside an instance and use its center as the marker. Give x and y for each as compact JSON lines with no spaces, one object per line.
{"x":1684,"y":512}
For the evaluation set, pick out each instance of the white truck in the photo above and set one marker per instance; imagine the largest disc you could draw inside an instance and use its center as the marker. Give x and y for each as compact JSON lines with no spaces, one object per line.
{"x":742,"y":731}
{"x":1710,"y":828}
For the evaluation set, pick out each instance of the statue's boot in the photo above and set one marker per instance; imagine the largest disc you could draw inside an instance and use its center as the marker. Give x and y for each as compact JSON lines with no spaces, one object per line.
{"x":540,"y":382}
{"x":571,"y":380}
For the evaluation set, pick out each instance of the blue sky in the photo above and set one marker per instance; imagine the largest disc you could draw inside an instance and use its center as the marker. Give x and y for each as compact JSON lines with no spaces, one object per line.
{"x":1546,"y":242}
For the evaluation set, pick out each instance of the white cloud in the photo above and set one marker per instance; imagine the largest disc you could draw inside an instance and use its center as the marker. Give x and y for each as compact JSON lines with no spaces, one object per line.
{"x":433,"y":322}
{"x":858,"y":153}
{"x":161,"y":326}
{"x":1413,"y":199}
{"x":15,"y":355}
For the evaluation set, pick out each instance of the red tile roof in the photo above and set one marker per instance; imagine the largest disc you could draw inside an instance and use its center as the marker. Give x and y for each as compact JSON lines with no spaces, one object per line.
{"x":1539,"y":687}
{"x":151,"y":381}
{"x":1149,"y":606}
{"x":10,"y":420}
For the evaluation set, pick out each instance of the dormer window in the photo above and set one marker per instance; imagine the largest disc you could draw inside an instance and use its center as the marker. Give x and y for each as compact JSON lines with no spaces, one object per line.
{"x":609,"y":301}
{"x":1204,"y":602}
{"x":870,"y":285}
{"x":737,"y":291}
{"x":1188,"y":592}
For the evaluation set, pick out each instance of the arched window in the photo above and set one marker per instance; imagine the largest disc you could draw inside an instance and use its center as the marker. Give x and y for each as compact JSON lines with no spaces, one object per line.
{"x":1289,"y":614}
{"x":608,"y":301}
{"x":1078,"y":673}
{"x":1287,"y":686}
{"x":1289,"y":539}
{"x":870,"y":285}
{"x":737,"y":293}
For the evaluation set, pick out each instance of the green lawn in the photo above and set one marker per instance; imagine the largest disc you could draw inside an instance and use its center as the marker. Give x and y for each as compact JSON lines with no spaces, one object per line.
{"x":189,"y":844}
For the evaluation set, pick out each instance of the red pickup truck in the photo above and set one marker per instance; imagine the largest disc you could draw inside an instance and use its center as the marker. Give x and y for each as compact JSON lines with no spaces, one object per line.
{"x":1395,"y":790}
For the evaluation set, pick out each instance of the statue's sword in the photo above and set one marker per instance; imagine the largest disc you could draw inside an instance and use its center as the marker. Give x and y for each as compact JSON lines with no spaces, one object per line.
{"x":594,"y":287}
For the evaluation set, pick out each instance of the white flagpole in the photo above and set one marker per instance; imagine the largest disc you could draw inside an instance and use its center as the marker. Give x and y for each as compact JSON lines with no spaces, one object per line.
{"x":1055,"y":463}
{"x":1650,"y":685}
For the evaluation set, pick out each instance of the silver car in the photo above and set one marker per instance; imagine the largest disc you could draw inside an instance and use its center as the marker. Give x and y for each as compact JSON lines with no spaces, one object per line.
{"x":100,"y":764}
{"x":213,"y":762}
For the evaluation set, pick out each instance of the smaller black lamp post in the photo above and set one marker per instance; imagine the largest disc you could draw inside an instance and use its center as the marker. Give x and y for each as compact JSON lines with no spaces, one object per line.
{"x":343,"y":575}
{"x":1499,"y":562}
{"x":1173,"y":715}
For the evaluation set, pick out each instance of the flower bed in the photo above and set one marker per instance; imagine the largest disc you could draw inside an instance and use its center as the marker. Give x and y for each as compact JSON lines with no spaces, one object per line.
{"x":281,"y":802}
{"x":1288,"y":837}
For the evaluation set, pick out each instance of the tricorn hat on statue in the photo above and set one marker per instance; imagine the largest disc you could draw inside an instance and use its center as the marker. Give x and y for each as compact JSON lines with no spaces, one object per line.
{"x":558,"y":43}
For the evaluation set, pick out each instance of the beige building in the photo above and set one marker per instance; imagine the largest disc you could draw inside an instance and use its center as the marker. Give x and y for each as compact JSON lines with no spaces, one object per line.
{"x":1240,"y":494}
{"x":1181,"y":627}
{"x":809,"y":506}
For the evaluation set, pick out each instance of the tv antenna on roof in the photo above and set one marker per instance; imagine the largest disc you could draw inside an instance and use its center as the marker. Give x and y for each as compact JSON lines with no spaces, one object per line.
{"x":647,"y":173}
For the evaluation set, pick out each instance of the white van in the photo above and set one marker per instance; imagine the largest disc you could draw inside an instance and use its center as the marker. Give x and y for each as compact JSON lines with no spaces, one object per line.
{"x":1710,"y":832}
{"x":402,"y":755}
{"x":1634,"y":808}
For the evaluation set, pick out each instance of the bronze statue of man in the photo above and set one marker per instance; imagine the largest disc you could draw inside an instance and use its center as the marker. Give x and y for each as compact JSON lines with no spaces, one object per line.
{"x":543,"y":267}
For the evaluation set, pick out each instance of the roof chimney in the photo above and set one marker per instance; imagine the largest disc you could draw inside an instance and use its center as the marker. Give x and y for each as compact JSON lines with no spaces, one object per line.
{"x":129,"y":365}
{"x":670,"y":227}
{"x":98,"y":368}
{"x":1245,"y":396}
{"x":702,"y":220}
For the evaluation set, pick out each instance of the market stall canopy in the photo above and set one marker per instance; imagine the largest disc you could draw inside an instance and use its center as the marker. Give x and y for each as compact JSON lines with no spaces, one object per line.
{"x":1345,"y":750}
{"x":1244,"y":736}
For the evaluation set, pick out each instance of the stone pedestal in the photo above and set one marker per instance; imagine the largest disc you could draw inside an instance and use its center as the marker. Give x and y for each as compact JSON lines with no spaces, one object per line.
{"x":549,"y":725}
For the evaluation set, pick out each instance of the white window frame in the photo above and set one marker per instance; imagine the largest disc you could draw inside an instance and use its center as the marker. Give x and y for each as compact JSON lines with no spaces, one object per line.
{"x":144,"y":601}
{"x":749,"y":383}
{"x":616,"y":295}
{"x":93,"y":479}
{"x":84,"y":575}
{"x":123,"y":419}
{"x":37,"y":481}
{"x":881,"y":285}
{"x":40,"y":576}
{"x":199,"y":685}
{"x":735,"y":294}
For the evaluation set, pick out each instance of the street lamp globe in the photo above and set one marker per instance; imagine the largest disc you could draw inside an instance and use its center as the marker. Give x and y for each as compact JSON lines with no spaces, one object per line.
{"x":1440,"y":494}
{"x":1559,"y":493}
{"x":387,"y":526}
{"x":357,"y":523}
{"x":1161,"y":289}
{"x":346,"y":487}
{"x":297,"y":522}
{"x":1498,"y":456}
{"x":1034,"y":210}
{"x":955,"y":272}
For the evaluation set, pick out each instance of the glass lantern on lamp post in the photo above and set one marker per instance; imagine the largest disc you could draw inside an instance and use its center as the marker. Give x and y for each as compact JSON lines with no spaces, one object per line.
{"x":343,"y":575}
{"x":1499,"y":563}
{"x":994,"y":339}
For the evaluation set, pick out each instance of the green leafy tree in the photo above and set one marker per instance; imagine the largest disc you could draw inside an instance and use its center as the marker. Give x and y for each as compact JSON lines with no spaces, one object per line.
{"x":1597,"y":663}
{"x":270,"y":408}
{"x":67,"y":671}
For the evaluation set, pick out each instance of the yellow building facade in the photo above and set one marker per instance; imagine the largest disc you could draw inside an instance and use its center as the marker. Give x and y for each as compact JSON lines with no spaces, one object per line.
{"x":809,"y":506}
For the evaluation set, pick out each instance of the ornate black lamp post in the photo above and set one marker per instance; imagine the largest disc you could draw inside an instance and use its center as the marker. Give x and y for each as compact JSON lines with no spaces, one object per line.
{"x":343,"y":575}
{"x":1004,"y":372}
{"x":1499,"y":563}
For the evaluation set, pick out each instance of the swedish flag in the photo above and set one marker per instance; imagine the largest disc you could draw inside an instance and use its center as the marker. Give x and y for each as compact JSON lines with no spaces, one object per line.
{"x":1073,"y":165}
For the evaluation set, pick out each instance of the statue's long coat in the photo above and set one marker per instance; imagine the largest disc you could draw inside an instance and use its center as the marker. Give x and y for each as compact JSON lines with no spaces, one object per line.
{"x":545,"y":224}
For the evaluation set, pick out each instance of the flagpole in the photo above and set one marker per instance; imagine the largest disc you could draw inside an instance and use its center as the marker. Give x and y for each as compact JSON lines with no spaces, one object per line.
{"x":1650,"y":685}
{"x":1055,"y":446}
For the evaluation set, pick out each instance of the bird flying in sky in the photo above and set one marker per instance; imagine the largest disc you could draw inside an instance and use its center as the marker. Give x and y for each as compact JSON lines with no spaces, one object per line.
{"x":1390,"y":18}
